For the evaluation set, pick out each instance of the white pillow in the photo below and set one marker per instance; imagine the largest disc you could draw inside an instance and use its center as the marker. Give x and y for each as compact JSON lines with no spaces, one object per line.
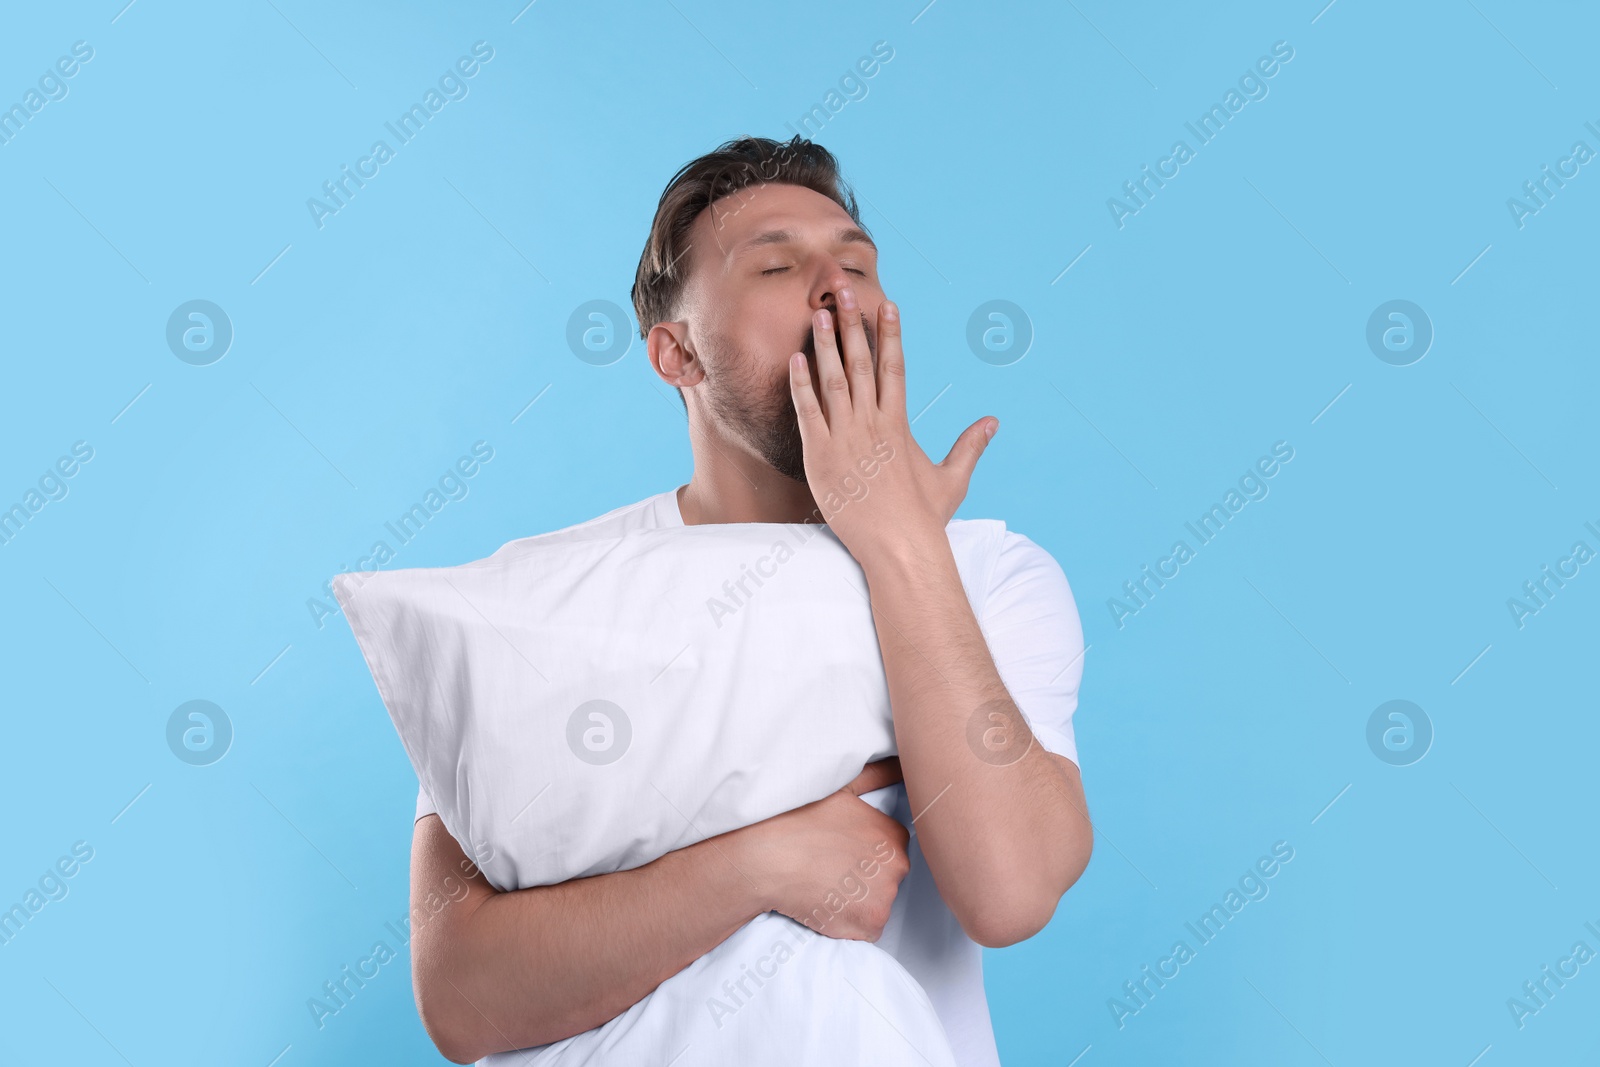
{"x":575,"y":707}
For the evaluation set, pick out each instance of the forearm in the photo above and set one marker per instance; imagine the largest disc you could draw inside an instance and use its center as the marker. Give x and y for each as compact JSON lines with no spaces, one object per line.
{"x":537,"y":965}
{"x":999,"y":819}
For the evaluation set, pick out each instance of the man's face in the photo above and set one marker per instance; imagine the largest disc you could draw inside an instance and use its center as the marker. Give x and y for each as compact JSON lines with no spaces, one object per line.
{"x":763,"y":260}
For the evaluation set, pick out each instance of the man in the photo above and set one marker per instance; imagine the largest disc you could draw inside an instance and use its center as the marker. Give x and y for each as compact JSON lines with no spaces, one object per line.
{"x":759,"y":300}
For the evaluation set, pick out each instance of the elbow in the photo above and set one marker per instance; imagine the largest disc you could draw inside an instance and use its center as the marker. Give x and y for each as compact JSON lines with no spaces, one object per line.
{"x":454,"y":1042}
{"x":1000,"y":919}
{"x":1003,"y":921}
{"x":456,"y":1055}
{"x":461,"y":1031}
{"x":456,"y":1028}
{"x":450,"y":1049}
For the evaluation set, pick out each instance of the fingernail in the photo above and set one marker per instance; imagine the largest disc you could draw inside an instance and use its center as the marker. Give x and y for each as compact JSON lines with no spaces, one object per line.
{"x":988,"y":431}
{"x":890,"y":312}
{"x":847,"y":297}
{"x":824,"y":319}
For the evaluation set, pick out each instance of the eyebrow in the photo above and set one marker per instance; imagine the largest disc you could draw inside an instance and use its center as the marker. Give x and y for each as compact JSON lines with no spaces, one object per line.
{"x":843,"y":235}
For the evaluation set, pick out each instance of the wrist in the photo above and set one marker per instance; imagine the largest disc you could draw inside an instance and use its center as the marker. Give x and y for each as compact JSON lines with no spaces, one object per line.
{"x":748,"y":884}
{"x":907,"y":554}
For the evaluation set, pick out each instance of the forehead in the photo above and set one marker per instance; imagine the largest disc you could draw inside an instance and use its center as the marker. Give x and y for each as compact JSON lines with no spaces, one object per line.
{"x":767,"y":214}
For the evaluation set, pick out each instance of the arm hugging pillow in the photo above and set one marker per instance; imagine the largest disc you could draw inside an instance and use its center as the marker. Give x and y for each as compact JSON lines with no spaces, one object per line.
{"x":576,"y":707}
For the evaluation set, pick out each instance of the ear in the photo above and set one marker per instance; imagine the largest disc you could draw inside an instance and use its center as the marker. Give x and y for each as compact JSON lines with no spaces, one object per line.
{"x":670,"y":355}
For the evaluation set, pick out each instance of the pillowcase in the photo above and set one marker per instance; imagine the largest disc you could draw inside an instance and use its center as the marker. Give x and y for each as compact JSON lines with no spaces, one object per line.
{"x":580,"y":707}
{"x":575,"y":707}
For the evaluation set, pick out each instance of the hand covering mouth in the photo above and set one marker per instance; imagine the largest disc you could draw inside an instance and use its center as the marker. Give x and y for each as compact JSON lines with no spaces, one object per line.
{"x":808,"y":344}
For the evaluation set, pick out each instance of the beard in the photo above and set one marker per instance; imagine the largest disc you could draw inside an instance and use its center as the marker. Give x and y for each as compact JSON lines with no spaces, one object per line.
{"x":761,"y":413}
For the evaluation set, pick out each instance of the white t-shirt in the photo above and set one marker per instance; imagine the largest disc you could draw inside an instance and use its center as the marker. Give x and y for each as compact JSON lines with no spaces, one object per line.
{"x":1030,"y":623}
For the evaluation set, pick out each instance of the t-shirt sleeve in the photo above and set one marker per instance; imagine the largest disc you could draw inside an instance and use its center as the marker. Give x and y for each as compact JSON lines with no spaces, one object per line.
{"x":424,"y":804}
{"x":1030,"y":622}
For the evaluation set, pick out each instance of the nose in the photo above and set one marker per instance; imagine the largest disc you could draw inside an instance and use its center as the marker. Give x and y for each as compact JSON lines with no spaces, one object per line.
{"x":827,"y":292}
{"x":826,"y":295}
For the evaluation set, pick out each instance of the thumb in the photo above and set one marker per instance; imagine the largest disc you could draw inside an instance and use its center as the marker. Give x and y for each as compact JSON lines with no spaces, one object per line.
{"x":876,"y":776}
{"x":964,"y":454}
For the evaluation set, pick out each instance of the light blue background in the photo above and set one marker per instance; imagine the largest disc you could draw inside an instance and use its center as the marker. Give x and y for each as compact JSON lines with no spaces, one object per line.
{"x":1223,"y":317}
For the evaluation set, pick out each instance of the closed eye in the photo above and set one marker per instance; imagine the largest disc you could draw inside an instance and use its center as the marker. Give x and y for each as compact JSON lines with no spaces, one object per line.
{"x":780,"y":270}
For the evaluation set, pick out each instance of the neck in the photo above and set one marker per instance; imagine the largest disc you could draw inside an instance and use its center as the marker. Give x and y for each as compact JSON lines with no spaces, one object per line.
{"x":731,"y":485}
